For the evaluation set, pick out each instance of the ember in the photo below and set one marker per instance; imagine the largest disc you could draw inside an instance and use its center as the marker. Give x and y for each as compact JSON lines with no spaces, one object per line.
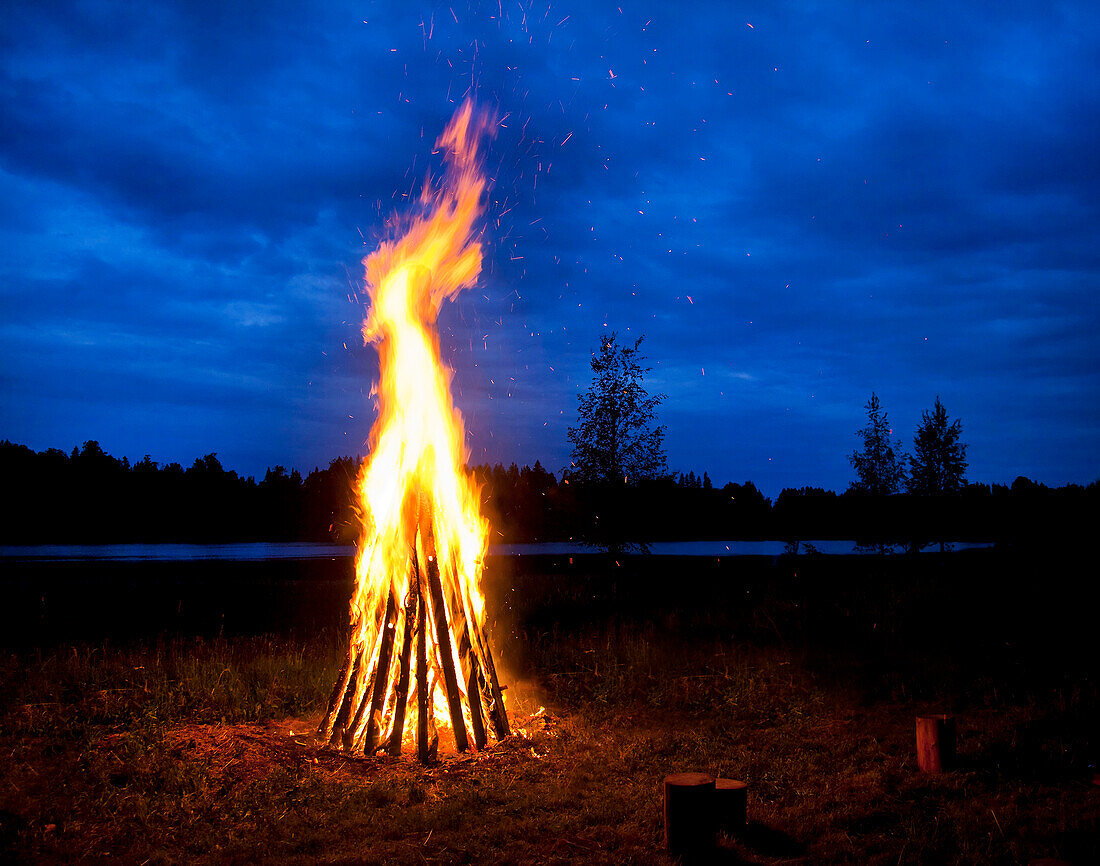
{"x":418,"y":656}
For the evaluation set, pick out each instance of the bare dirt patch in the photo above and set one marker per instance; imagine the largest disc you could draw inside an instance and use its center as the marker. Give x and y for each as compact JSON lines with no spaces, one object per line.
{"x":252,"y":751}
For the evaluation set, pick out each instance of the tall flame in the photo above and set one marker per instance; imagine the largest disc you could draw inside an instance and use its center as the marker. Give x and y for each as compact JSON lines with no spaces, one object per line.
{"x":418,"y":440}
{"x":417,"y":501}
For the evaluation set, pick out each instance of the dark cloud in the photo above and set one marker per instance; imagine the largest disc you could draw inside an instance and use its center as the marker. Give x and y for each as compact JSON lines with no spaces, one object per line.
{"x":795,"y":204}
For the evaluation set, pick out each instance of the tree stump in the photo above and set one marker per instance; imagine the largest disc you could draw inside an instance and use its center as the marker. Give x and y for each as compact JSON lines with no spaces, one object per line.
{"x":731,"y":799}
{"x":689,"y":814}
{"x":935,"y":742}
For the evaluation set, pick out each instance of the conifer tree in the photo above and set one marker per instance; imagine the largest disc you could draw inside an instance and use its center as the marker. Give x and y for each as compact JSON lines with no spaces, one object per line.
{"x":938,"y":463}
{"x":880,"y":469}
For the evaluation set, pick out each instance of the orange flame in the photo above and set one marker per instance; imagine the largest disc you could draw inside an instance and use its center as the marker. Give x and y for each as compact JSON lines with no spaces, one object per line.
{"x":415,"y":496}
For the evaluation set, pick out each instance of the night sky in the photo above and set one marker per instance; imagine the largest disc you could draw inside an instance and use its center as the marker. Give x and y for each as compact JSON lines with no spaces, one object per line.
{"x":796,"y":204}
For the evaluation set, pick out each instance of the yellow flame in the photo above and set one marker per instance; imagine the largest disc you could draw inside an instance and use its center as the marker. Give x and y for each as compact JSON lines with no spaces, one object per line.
{"x":417,"y":447}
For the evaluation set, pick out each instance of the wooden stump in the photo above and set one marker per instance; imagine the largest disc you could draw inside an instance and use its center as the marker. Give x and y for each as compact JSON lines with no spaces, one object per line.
{"x":731,"y":799}
{"x":935,"y":742}
{"x":689,"y":814}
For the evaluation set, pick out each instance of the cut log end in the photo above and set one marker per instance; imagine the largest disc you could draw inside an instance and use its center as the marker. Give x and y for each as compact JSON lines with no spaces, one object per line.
{"x":731,"y":798}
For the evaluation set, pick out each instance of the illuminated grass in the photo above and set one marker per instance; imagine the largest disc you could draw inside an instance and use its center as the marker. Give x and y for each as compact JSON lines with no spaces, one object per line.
{"x":175,"y":751}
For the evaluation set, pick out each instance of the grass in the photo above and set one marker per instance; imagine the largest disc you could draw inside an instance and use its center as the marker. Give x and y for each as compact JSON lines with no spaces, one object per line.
{"x":192,"y":749}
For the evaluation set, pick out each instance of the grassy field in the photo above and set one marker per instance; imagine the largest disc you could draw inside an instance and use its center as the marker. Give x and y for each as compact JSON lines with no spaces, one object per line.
{"x":802,"y":678}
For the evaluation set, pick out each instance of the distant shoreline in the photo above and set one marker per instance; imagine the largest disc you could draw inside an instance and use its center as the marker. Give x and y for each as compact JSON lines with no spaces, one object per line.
{"x":269,"y":551}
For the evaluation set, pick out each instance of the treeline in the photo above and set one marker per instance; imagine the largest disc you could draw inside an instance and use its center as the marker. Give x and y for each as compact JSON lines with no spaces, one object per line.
{"x":88,"y":496}
{"x":688,"y":508}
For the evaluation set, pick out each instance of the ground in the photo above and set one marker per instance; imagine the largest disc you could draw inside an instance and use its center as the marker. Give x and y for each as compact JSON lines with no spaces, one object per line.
{"x":201,"y":749}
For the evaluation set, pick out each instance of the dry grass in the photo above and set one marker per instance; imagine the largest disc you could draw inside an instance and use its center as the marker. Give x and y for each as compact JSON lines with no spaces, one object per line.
{"x":199,"y":751}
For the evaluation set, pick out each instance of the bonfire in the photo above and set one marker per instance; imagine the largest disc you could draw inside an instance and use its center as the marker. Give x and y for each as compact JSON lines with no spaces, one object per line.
{"x":418,"y":664}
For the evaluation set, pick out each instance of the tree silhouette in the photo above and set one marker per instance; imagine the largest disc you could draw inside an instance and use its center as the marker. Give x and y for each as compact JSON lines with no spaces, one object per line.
{"x":938,"y":461}
{"x":616,"y":440}
{"x":88,"y":496}
{"x":617,"y":446}
{"x":881,"y":470}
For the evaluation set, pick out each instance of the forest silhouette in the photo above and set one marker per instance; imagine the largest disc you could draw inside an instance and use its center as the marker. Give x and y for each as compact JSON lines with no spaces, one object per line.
{"x":89,"y":496}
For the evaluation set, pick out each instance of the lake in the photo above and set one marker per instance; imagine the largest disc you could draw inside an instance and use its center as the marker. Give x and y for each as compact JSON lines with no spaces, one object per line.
{"x":268,"y":551}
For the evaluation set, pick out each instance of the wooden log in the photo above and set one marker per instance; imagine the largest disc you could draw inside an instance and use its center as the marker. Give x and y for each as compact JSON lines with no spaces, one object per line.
{"x":381,"y":677}
{"x":485,"y":691}
{"x":471,"y":674}
{"x":689,"y":814}
{"x":360,"y":696}
{"x":401,"y":697}
{"x":352,"y":732}
{"x":731,"y":799}
{"x":935,"y":742}
{"x":446,"y":657}
{"x":347,"y":684}
{"x":338,"y":689}
{"x":347,"y":701}
{"x":423,"y":704}
{"x":433,"y":735}
{"x":473,"y":696}
{"x":497,"y":712}
{"x":350,"y":729}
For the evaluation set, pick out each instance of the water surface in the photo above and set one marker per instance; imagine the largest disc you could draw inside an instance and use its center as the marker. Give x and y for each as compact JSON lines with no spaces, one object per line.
{"x":265,"y":551}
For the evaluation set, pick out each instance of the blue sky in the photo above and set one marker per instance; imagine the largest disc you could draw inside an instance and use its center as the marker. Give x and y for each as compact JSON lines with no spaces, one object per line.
{"x":795,"y":203}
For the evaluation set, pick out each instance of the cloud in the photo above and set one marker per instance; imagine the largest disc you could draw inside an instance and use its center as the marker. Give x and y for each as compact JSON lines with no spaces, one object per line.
{"x":828,"y":202}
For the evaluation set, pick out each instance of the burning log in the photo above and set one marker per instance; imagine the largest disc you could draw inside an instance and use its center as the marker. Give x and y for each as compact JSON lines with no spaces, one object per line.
{"x":446,"y":656}
{"x":380,"y":680}
{"x":425,"y":747}
{"x":401,"y":695}
{"x":473,"y":679}
{"x":491,"y":690}
{"x":338,"y":705}
{"x":420,"y":554}
{"x":471,"y":674}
